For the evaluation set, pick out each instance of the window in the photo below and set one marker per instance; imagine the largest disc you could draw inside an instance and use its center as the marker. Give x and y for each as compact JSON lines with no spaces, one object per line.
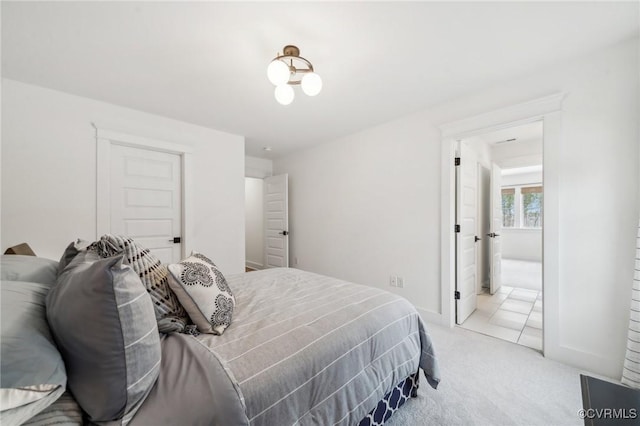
{"x":531,"y":206}
{"x":522,"y":206}
{"x":508,"y":207}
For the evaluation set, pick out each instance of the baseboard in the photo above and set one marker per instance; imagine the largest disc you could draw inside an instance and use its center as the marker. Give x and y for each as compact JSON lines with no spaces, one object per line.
{"x":585,"y":361}
{"x":254,"y":265}
{"x":430,"y":316}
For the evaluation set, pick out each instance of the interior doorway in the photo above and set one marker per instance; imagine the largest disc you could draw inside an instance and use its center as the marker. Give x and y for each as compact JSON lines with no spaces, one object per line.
{"x":254,"y":223}
{"x":266,"y":222}
{"x":547,"y":109}
{"x":498,"y":262}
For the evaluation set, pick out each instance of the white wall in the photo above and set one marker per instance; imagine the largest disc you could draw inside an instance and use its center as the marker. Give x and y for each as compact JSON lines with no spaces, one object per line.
{"x":521,"y":178}
{"x":49,"y":172}
{"x":367,"y":206}
{"x":522,"y":244}
{"x":257,"y":167}
{"x":254,"y":222}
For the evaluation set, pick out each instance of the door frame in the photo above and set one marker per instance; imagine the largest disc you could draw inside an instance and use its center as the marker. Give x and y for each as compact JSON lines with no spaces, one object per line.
{"x":104,"y":140}
{"x":548,"y":110}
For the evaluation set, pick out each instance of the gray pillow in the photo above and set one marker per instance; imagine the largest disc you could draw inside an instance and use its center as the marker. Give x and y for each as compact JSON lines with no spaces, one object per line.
{"x":15,"y":267}
{"x":103,"y":322}
{"x":32,"y":374}
{"x":70,"y":252}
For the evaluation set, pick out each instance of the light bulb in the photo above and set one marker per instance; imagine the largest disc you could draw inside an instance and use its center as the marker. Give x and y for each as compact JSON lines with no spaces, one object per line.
{"x":311,"y":84}
{"x":278,"y":72}
{"x":284,"y":94}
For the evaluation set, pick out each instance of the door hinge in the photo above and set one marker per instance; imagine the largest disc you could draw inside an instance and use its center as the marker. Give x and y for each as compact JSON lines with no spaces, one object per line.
{"x":456,"y":161}
{"x":457,"y":228}
{"x":456,"y":295}
{"x":176,"y":240}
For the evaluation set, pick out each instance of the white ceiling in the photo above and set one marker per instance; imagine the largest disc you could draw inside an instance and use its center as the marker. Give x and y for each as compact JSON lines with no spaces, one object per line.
{"x":205,"y":62}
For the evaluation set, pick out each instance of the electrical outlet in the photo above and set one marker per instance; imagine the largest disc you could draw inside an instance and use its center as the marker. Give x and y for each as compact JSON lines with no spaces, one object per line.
{"x":393,"y":281}
{"x":399,"y":282}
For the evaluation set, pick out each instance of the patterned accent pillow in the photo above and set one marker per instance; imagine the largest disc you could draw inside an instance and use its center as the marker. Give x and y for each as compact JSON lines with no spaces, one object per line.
{"x":170,"y":315}
{"x":204,"y":293}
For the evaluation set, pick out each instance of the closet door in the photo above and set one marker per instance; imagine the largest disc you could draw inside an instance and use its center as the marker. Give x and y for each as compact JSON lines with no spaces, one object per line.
{"x":146,"y":200}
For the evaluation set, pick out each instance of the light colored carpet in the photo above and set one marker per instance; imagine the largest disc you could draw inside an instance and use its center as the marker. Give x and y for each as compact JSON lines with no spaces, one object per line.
{"x":488,"y":381}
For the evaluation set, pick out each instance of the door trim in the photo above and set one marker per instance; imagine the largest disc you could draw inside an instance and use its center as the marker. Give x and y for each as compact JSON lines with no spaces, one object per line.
{"x":104,"y":140}
{"x":549,"y":110}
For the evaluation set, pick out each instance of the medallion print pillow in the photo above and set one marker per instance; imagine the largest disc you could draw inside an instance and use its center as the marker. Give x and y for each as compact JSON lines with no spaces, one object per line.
{"x":203,"y":292}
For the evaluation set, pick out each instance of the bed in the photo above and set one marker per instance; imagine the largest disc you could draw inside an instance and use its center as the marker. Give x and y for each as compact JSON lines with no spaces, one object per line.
{"x":302,"y":349}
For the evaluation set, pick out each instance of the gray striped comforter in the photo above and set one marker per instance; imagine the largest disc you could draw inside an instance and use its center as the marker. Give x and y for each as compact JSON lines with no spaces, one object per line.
{"x":303,"y":349}
{"x":308,"y":349}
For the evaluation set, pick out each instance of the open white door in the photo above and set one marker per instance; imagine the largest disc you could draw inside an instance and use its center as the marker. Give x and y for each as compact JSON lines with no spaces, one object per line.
{"x":496,"y":227}
{"x":466,"y":219}
{"x":276,"y":221}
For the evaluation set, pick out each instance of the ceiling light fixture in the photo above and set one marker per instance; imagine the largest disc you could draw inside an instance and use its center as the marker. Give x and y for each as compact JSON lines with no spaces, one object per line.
{"x":284,"y":71}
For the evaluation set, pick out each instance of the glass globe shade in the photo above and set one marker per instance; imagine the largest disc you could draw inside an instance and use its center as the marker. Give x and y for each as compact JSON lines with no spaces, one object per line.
{"x":284,"y":94}
{"x":311,"y":84}
{"x":278,"y":72}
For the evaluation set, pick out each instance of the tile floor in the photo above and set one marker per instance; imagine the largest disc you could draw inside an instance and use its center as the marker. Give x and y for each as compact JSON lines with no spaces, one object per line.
{"x":512,"y":313}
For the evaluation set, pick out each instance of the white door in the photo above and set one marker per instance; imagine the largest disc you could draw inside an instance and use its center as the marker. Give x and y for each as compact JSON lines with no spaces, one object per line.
{"x":496,"y":227}
{"x":466,"y":218}
{"x":145,"y":199}
{"x":276,"y":221}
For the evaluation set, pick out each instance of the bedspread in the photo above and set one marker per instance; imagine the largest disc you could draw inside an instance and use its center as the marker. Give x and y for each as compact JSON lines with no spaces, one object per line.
{"x":302,"y":349}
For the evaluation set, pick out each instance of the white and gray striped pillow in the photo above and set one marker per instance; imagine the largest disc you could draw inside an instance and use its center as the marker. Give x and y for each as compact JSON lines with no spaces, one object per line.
{"x":103,"y":322}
